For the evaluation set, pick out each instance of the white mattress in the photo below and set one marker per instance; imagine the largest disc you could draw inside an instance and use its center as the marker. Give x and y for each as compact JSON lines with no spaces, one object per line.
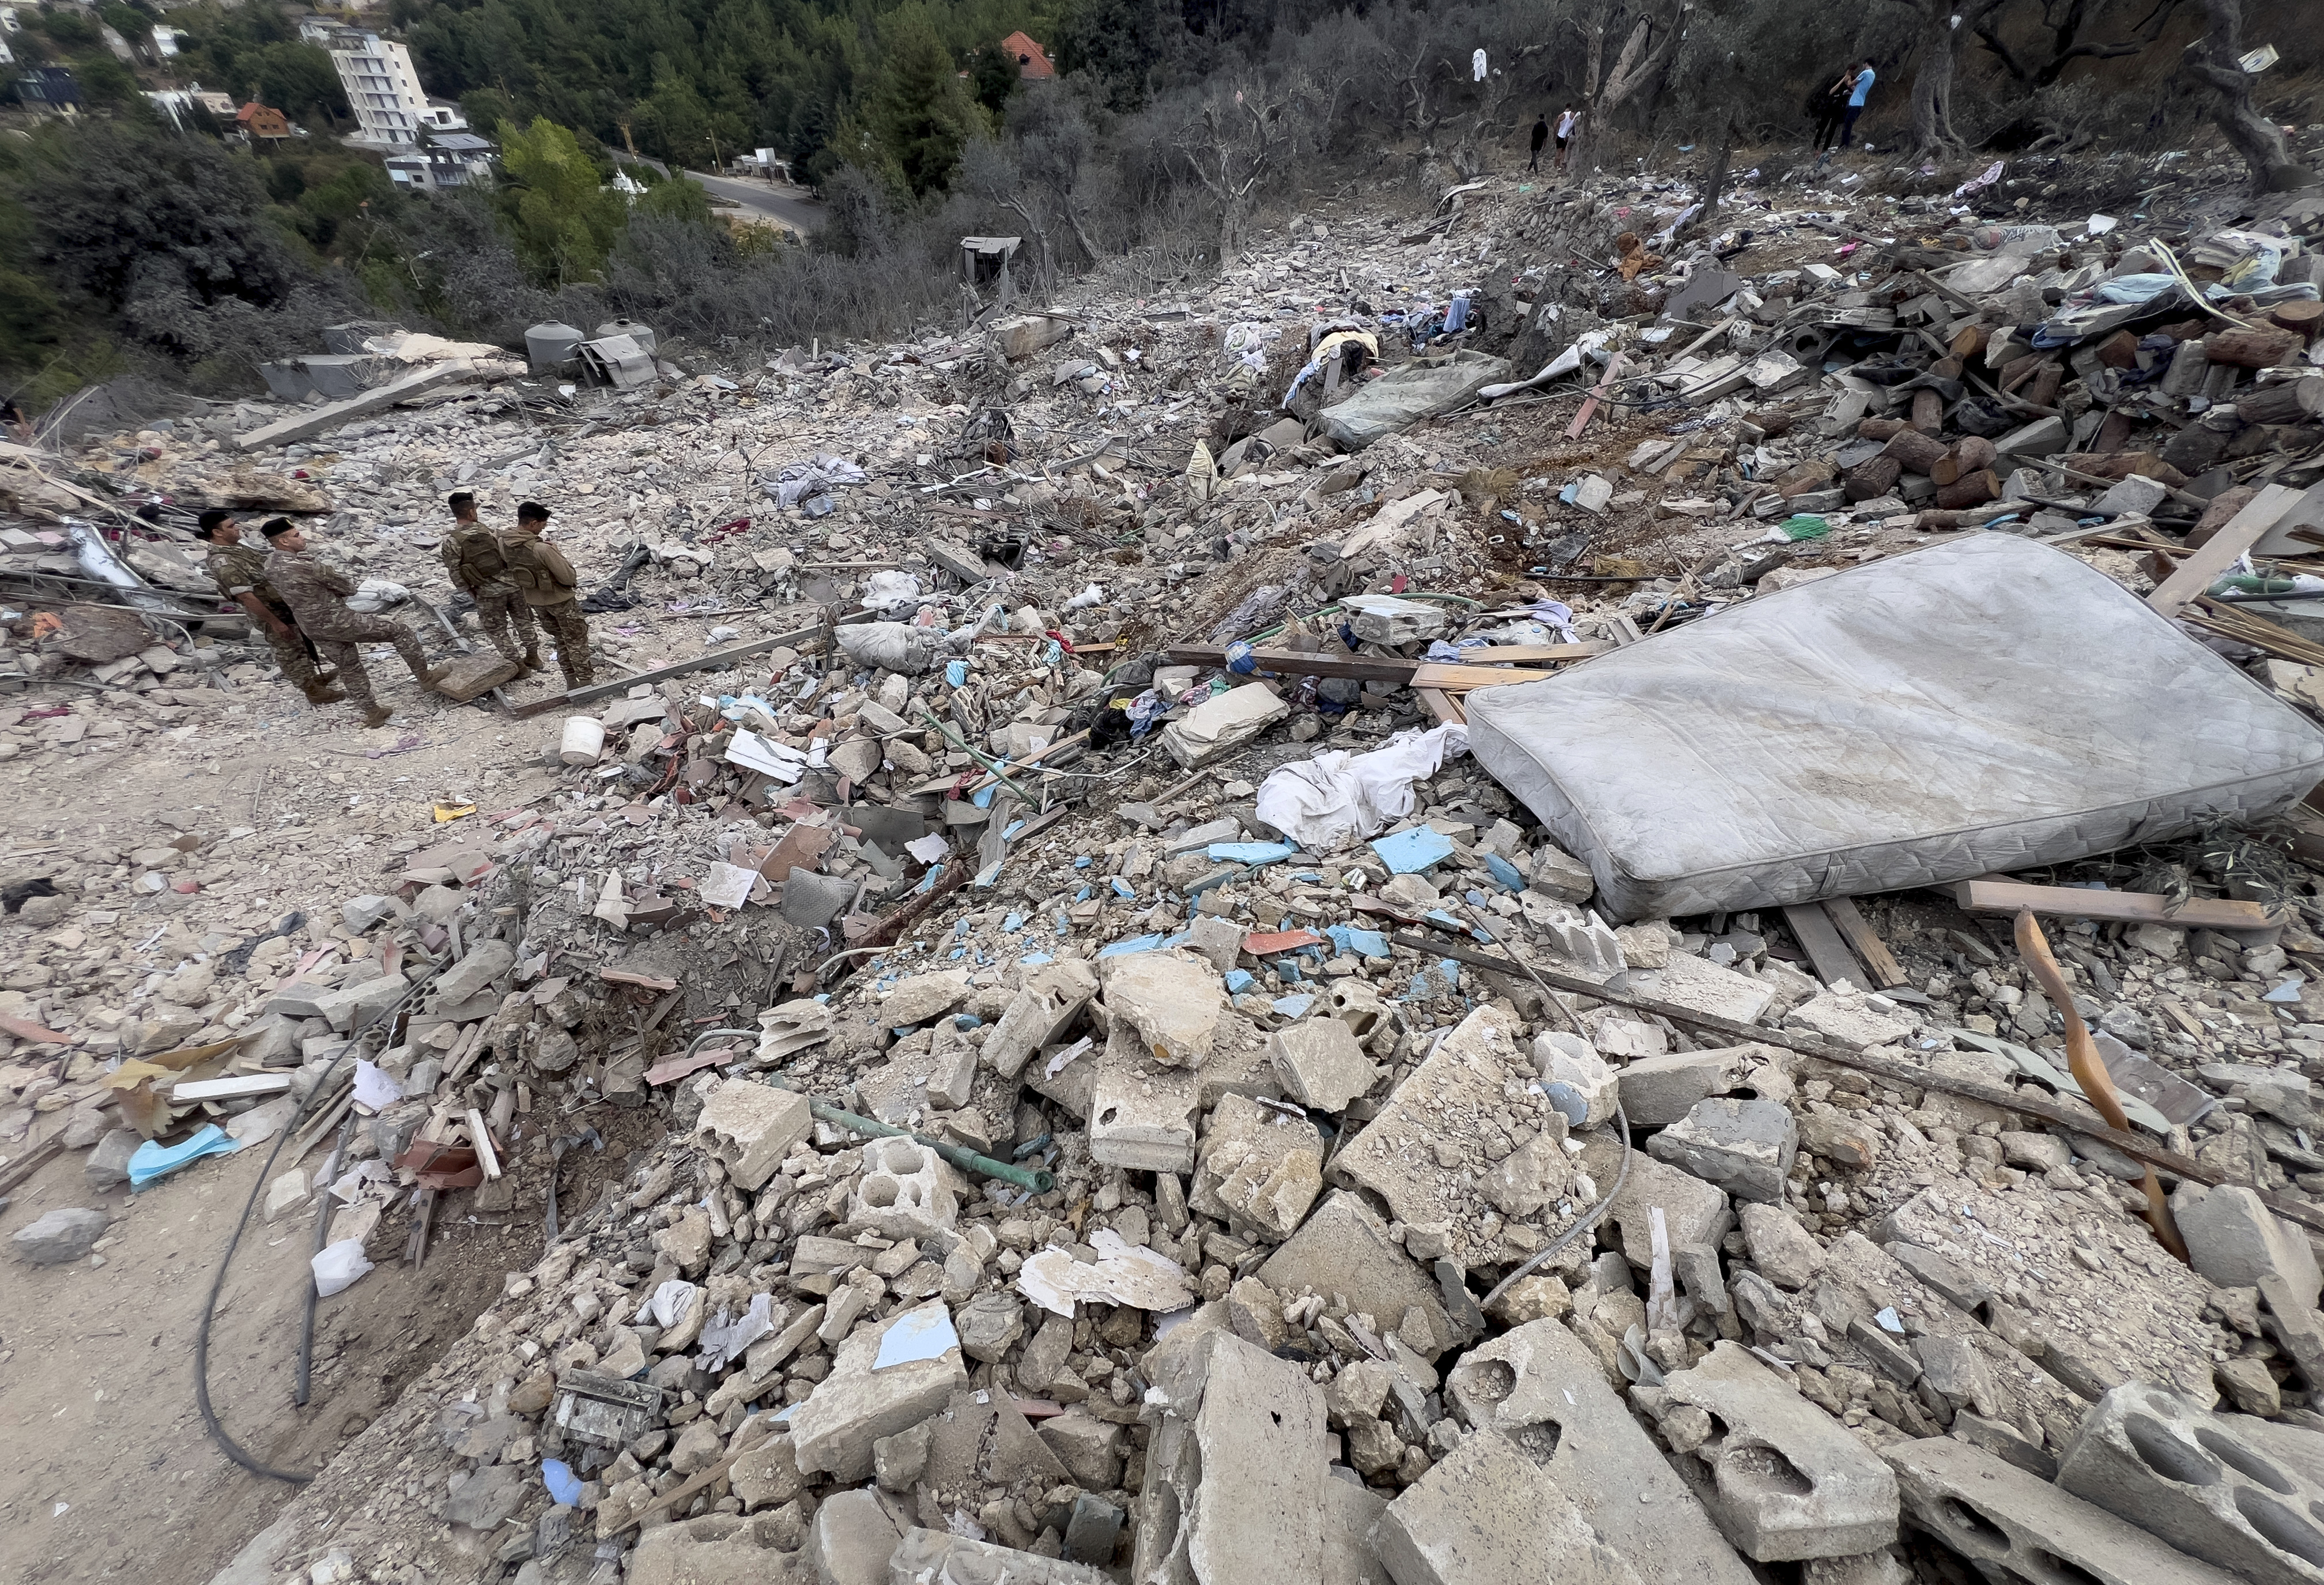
{"x":1986,"y":704}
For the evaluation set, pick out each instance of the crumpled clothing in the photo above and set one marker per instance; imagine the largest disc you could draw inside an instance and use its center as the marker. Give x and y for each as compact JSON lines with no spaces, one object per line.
{"x":1338,"y":796}
{"x":895,"y":595}
{"x":1982,"y":180}
{"x":802,"y":479}
{"x":1329,"y":347}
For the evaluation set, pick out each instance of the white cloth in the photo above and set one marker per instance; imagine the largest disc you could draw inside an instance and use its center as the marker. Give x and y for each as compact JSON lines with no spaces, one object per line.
{"x":1476,"y":65}
{"x":1339,"y":797}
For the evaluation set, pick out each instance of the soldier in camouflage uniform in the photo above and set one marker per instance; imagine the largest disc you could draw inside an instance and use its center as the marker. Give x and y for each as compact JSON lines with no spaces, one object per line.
{"x":239,"y":570}
{"x":317,"y":592}
{"x":549,"y":583}
{"x":474,"y":555}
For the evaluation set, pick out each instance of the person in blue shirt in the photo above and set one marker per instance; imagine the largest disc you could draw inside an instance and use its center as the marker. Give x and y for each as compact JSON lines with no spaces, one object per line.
{"x":1855,"y":98}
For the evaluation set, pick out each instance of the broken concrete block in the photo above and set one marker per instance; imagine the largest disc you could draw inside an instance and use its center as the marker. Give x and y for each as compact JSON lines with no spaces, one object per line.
{"x":1344,"y":1248}
{"x":465,"y":676}
{"x":1147,"y":1125}
{"x":1222,"y":723}
{"x":1219,"y":941}
{"x":852,"y":1539}
{"x":1043,"y":1010}
{"x":989,"y":1443}
{"x":1351,"y":1510}
{"x":1658,"y":1090}
{"x":2012,"y":1526}
{"x":1744,"y":1147}
{"x":1234,"y":1473}
{"x":1489,"y":1513}
{"x":935,"y":1557}
{"x":1578,"y":1081}
{"x":767,"y":1476}
{"x":486,"y":962}
{"x":1851,"y":1019}
{"x":1701,"y":986}
{"x":1435,"y":1152}
{"x":2235,"y":1241}
{"x":1695,"y":1213}
{"x":914,"y":1002}
{"x":1543,"y":1388}
{"x":906,"y":1191}
{"x":752,"y":1126}
{"x":1783,"y":1479}
{"x":1783,"y":1251}
{"x":1559,"y":875}
{"x":58,"y":1235}
{"x":1258,"y":1170}
{"x":350,"y":1007}
{"x":872,"y":1392}
{"x":1172,"y":1000}
{"x":1320,"y":1064}
{"x":2150,"y":1457}
{"x":1090,"y":1449}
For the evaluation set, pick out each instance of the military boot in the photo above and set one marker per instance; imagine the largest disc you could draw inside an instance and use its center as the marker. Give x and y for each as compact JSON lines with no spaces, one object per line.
{"x":320,"y":692}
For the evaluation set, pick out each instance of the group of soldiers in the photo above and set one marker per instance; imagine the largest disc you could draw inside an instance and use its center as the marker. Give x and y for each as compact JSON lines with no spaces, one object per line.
{"x":299,"y":601}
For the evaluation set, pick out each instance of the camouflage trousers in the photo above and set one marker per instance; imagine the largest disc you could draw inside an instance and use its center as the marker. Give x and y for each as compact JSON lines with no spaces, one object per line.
{"x":340,"y":648}
{"x":505,"y":618}
{"x":293,"y":654}
{"x":570,"y":629}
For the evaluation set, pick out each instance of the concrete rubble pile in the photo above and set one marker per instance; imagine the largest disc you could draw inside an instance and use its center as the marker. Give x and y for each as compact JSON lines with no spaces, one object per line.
{"x":1110,"y":1127}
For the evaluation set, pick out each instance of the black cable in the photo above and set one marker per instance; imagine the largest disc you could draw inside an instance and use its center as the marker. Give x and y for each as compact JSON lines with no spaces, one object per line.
{"x":210,"y":1423}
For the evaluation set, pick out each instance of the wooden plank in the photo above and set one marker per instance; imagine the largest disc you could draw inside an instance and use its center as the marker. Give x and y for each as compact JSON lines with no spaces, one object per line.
{"x":1904,"y":1075}
{"x":1590,"y":404}
{"x":231,"y":1088}
{"x":1866,"y":941}
{"x":716,"y":659}
{"x":1387,"y":669}
{"x":2131,"y":907}
{"x":1443,"y":706}
{"x":1458,"y":679}
{"x":2219,"y":553}
{"x":1826,"y":948}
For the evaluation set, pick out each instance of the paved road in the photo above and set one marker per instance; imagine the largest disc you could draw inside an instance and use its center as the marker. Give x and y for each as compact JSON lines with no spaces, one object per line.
{"x":785,"y":205}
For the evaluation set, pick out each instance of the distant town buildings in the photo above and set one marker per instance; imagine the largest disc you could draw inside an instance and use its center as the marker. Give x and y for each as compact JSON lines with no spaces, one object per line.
{"x":383,"y":87}
{"x":444,"y":160}
{"x":263,"y":124}
{"x":1032,"y":61}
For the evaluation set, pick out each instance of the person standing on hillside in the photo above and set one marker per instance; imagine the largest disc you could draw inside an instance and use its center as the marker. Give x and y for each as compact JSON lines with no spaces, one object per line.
{"x":1569,"y":123}
{"x":1861,"y":90}
{"x":239,"y":571}
{"x":549,"y":585}
{"x":317,"y":593}
{"x":1540,"y":136}
{"x":478,"y":562}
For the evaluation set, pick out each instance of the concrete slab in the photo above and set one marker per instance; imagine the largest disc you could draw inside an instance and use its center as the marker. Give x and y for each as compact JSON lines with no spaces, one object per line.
{"x":1440,"y":1156}
{"x":1784,"y":1480}
{"x":857,"y":1405}
{"x":1489,"y":1513}
{"x":1258,"y":1170}
{"x":1658,"y":1090}
{"x":1544,"y":1386}
{"x":1744,"y":1147}
{"x":331,"y":415}
{"x":2148,"y":1456}
{"x":932,"y":1557}
{"x":2011,"y":1524}
{"x":852,"y":1540}
{"x":1344,"y":1250}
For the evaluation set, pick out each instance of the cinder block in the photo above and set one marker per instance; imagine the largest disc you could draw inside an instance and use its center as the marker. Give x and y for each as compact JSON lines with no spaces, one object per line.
{"x":2011,"y":1524}
{"x":1488,"y":1512}
{"x":752,"y":1126}
{"x":906,"y":1191}
{"x":1544,"y":1387}
{"x":1783,"y":1479}
{"x":2149,"y":1456}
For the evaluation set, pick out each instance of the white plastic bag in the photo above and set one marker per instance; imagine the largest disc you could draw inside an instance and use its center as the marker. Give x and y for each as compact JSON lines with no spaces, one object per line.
{"x":893,"y":594}
{"x":891,"y":646}
{"x":337,"y":1266}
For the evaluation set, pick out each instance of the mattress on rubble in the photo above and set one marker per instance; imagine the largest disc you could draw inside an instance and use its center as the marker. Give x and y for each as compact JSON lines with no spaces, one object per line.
{"x":1986,"y":704}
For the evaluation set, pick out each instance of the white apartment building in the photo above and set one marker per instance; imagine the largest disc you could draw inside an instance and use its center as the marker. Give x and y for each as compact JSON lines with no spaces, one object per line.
{"x":383,"y":87}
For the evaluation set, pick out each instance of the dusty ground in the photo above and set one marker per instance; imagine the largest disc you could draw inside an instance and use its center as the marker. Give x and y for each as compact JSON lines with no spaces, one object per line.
{"x":111,"y":1472}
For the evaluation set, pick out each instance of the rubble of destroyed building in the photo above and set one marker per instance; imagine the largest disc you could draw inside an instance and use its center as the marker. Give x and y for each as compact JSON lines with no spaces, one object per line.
{"x":1268,"y":951}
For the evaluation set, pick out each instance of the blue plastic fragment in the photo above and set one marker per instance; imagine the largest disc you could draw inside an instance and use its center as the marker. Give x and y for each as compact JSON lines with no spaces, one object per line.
{"x":1369,"y":944}
{"x":1450,"y":972}
{"x":1240,"y":981}
{"x":983,"y":798}
{"x":1248,"y":853}
{"x":1408,"y":852}
{"x":1034,"y":960}
{"x":1083,"y":896}
{"x":964,"y":1022}
{"x":563,"y":1486}
{"x":1420,"y":989}
{"x":1081,"y":863}
{"x":1122,"y":889}
{"x":1135,"y":943}
{"x":1503,"y":873}
{"x":1287,"y":969}
{"x":956,"y":673}
{"x":1013,"y":922}
{"x":929,"y":881}
{"x":151,"y":1161}
{"x":1293,"y":1007}
{"x":956,"y":953}
{"x":1570,"y":1103}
